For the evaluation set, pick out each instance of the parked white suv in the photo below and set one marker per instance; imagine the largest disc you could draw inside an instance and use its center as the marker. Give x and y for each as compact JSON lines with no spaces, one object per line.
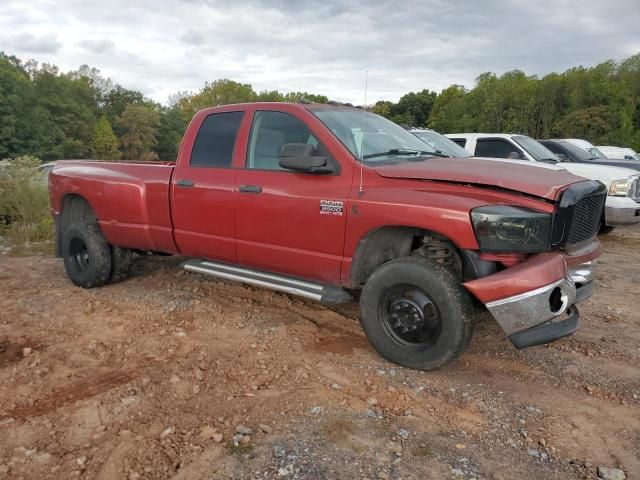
{"x":619,"y":152}
{"x":623,"y":184}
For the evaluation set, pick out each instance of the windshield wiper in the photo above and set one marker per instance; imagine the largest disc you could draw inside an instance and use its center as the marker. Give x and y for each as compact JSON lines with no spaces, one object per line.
{"x":403,"y":151}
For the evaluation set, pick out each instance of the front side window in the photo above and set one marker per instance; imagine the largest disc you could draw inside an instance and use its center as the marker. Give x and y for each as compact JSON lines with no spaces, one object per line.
{"x":269,"y":132}
{"x":213,"y":146}
{"x":372,"y":137}
{"x":495,"y":148}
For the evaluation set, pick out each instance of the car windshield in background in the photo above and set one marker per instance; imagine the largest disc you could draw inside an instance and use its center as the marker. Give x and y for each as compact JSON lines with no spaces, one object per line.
{"x":441,"y":144}
{"x":579,"y":154}
{"x":595,"y":153}
{"x":535,"y":149}
{"x":372,"y":137}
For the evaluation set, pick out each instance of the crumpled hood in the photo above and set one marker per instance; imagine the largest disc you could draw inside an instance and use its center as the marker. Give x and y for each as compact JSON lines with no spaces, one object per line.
{"x":541,"y":180}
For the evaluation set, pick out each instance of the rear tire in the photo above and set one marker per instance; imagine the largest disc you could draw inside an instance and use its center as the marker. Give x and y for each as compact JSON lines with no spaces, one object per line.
{"x":86,"y":254}
{"x":416,"y":313}
{"x":121,"y":261}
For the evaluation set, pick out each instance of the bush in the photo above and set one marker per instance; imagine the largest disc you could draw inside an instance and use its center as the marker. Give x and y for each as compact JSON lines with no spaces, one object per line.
{"x":24,"y":202}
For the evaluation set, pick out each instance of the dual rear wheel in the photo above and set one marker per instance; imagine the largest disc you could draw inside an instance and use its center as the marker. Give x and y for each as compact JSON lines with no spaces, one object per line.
{"x":89,"y":260}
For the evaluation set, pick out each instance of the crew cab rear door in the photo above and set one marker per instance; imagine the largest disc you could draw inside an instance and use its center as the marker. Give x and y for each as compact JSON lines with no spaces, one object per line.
{"x":203,"y":190}
{"x":290,"y":222}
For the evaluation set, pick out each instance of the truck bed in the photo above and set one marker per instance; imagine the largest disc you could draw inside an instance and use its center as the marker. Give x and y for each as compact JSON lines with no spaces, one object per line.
{"x":131,"y":199}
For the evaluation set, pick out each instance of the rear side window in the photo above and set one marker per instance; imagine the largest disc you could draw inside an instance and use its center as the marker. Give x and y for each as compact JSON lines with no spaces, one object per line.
{"x":214,"y":142}
{"x":494,"y":148}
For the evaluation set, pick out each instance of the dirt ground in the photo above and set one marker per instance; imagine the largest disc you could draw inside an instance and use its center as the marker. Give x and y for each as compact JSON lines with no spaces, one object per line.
{"x":175,"y":375}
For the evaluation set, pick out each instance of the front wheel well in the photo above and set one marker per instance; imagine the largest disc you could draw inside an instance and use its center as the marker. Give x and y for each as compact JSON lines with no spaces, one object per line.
{"x":387,"y":243}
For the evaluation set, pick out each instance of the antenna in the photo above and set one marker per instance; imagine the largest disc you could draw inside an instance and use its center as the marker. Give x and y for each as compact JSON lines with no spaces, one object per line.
{"x":364,"y":119}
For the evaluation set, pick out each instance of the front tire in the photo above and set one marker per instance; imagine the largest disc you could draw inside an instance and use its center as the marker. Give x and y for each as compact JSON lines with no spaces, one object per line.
{"x":86,"y":254}
{"x":416,"y":313}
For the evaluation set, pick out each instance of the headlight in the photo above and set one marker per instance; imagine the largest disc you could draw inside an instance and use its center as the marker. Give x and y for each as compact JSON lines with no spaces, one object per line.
{"x":504,"y":228}
{"x":619,"y":188}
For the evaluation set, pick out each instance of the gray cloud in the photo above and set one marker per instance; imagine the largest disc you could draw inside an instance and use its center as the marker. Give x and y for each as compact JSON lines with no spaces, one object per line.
{"x":163,"y":46}
{"x":28,"y":42}
{"x":104,"y":45}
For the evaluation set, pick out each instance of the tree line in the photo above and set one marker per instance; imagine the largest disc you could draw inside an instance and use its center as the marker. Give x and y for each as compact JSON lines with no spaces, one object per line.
{"x":80,"y":114}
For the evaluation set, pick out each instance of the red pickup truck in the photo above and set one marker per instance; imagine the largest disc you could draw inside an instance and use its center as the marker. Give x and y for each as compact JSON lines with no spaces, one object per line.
{"x":324,"y":201}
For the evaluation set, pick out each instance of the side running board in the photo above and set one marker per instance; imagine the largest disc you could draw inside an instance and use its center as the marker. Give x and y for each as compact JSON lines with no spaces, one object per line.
{"x":321,"y":293}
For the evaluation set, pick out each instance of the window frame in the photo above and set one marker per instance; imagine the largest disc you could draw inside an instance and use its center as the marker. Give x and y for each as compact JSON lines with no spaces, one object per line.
{"x":235,"y":140}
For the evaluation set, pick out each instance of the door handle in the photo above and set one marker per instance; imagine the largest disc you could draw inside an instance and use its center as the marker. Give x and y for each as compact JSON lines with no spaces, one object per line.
{"x":250,"y":188}
{"x":183,"y":182}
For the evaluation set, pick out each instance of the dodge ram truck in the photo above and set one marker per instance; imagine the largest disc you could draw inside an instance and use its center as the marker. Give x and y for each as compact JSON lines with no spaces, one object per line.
{"x":330,"y":202}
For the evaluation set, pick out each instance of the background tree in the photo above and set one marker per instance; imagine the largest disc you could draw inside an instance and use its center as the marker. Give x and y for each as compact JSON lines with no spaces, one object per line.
{"x":105,"y":142}
{"x":169,"y":133}
{"x":139,"y":124}
{"x":52,"y":114}
{"x":219,"y":92}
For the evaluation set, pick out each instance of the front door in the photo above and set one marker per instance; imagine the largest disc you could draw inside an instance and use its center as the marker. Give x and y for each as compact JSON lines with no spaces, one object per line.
{"x":288,"y":222}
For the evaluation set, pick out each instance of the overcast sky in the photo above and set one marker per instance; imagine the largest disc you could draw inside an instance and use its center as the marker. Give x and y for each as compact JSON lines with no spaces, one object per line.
{"x":162,"y":46}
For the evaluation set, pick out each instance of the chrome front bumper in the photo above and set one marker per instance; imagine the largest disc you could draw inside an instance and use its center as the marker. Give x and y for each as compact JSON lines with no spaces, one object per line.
{"x":621,"y":211}
{"x":546,"y":313}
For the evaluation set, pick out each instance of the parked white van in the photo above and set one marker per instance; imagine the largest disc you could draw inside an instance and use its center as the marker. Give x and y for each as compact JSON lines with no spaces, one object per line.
{"x":623,"y":184}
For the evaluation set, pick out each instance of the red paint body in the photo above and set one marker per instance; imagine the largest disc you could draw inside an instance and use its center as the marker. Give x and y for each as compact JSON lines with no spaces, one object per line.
{"x":139,"y":205}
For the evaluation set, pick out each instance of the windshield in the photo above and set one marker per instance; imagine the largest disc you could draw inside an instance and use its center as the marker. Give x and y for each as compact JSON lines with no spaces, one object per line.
{"x":595,"y":153}
{"x":535,"y":149}
{"x":382,"y":140}
{"x":577,"y":153}
{"x":441,"y":143}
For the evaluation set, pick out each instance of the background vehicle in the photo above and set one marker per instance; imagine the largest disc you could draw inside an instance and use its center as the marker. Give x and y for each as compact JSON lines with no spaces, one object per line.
{"x":566,"y":151}
{"x":316,"y":199}
{"x":619,"y":152}
{"x":588,"y":147}
{"x":623,"y":200}
{"x":439,"y":142}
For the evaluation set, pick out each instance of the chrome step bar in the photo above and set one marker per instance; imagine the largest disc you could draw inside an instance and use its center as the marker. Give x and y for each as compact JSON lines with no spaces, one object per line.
{"x":327,"y":294}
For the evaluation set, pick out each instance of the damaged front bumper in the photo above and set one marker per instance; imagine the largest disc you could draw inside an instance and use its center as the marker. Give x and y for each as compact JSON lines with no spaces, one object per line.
{"x":533,"y":316}
{"x":539,"y":316}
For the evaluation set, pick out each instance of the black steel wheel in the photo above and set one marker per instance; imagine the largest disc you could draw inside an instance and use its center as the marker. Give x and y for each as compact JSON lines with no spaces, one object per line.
{"x":416,"y":313}
{"x":410,"y":316}
{"x":86,"y":255}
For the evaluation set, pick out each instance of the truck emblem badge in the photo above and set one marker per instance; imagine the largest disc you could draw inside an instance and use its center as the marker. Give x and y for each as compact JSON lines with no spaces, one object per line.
{"x":331,"y":207}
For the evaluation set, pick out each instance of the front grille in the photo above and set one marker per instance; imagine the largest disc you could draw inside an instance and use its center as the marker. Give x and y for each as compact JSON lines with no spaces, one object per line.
{"x":579,"y":213}
{"x":586,"y":219}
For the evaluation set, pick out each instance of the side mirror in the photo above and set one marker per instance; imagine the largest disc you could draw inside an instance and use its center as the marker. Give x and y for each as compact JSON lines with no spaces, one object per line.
{"x":563,"y":157}
{"x":300,"y":157}
{"x":629,"y":157}
{"x":515,"y":156}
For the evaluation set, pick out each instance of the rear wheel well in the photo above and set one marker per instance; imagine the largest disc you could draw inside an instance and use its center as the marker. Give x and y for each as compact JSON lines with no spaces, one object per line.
{"x":388,"y":243}
{"x":76,"y":208}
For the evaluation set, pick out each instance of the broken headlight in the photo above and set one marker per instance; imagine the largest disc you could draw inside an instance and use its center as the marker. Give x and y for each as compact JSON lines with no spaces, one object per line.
{"x":504,"y":228}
